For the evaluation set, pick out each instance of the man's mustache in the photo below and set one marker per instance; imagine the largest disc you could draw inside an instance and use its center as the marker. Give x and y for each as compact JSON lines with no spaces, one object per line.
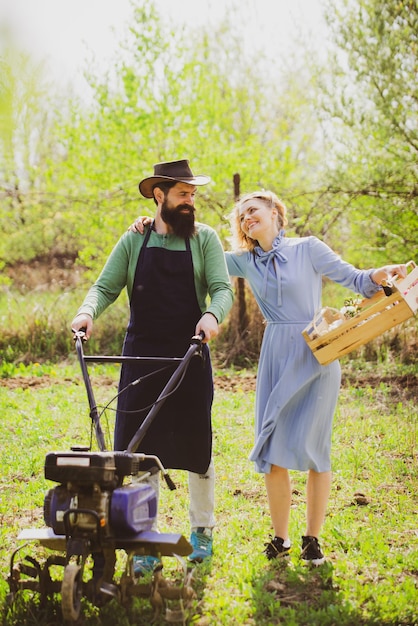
{"x":184,"y":207}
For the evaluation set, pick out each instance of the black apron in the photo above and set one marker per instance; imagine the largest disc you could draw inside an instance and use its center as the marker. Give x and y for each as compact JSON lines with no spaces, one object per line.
{"x":164,"y":314}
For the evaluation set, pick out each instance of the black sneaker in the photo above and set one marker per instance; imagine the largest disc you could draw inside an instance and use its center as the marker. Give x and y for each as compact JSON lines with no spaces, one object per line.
{"x":275,"y":548}
{"x":311,"y":551}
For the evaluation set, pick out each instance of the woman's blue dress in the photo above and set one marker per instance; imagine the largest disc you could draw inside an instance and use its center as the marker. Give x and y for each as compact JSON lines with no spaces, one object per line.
{"x":295,"y":396}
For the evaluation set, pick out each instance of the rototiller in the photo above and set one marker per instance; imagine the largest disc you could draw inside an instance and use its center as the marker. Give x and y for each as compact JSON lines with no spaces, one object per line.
{"x":95,"y":510}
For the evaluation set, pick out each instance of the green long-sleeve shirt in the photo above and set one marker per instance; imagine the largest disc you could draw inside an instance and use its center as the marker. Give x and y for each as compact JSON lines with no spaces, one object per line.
{"x":209,"y":266}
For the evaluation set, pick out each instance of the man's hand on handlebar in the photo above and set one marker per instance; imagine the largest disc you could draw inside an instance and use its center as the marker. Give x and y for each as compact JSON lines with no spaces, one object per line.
{"x":208,"y":324}
{"x":83,"y":322}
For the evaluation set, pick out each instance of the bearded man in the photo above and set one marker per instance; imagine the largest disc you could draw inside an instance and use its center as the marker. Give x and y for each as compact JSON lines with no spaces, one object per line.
{"x":169,"y":272}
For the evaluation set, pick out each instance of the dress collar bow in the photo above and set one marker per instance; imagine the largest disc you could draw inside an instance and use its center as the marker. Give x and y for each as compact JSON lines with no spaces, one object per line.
{"x":266,"y":258}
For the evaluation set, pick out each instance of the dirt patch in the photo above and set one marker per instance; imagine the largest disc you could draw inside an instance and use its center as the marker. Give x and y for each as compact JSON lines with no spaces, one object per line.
{"x":245,"y":381}
{"x":40,"y":382}
{"x":402,"y":388}
{"x":41,"y":274}
{"x":301,"y":585}
{"x":29,"y":382}
{"x":241,"y":382}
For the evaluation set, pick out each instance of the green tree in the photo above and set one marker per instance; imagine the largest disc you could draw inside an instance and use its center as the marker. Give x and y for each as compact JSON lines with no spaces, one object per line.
{"x":174,"y":95}
{"x":29,"y":218}
{"x":370,"y":106}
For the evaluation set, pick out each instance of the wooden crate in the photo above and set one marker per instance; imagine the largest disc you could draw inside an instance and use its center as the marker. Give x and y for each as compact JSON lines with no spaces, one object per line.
{"x":376,"y":315}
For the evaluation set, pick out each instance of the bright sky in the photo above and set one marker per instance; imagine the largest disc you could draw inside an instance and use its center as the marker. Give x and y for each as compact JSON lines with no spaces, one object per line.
{"x":64,"y":33}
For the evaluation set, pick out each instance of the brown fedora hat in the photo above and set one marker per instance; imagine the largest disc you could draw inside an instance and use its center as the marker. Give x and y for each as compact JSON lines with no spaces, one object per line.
{"x":172,"y":170}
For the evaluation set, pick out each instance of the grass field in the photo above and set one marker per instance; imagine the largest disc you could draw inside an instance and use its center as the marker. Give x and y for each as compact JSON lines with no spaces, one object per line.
{"x":370,"y":536}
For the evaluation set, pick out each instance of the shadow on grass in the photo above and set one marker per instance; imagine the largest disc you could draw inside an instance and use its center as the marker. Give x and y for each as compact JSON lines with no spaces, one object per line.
{"x":295,"y":594}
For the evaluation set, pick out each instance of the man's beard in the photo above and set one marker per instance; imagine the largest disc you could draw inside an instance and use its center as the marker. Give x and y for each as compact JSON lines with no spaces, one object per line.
{"x":182,"y":224}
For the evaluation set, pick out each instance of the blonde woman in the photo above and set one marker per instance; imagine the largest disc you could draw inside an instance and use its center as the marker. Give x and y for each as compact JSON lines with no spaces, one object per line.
{"x":296,"y":396}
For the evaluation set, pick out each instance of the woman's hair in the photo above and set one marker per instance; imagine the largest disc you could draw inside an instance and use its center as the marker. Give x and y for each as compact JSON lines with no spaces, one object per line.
{"x":240,"y":240}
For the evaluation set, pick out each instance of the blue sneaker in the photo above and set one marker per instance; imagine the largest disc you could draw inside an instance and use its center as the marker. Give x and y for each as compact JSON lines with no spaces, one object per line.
{"x":202,"y":542}
{"x":145,"y":564}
